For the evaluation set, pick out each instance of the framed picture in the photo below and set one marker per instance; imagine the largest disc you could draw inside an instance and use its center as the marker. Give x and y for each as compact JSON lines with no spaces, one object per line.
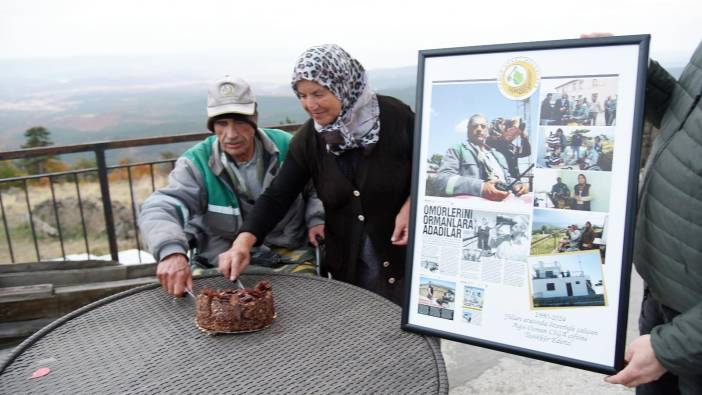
{"x":523,"y":197}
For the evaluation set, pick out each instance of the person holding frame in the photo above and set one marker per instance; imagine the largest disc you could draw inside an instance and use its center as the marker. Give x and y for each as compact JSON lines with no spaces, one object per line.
{"x":357,"y":150}
{"x":667,"y":357}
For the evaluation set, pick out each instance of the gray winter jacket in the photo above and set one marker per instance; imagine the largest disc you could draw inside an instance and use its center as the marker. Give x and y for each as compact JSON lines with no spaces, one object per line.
{"x":461,"y":173}
{"x":199,"y":207}
{"x":668,"y":247}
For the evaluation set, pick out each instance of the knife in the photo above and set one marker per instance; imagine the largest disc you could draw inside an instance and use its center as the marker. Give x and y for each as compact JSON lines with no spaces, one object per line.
{"x":238,"y":282}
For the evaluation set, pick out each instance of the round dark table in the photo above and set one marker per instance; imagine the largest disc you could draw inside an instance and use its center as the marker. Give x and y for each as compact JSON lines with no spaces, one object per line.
{"x":329,"y":337}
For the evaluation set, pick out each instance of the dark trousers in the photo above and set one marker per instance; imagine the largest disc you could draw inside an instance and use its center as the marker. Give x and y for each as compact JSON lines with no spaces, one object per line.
{"x":652,"y":315}
{"x":484,"y":242}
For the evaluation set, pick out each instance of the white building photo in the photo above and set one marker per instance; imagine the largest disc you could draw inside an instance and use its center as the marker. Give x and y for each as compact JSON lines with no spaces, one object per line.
{"x":567,"y":280}
{"x":550,"y":281}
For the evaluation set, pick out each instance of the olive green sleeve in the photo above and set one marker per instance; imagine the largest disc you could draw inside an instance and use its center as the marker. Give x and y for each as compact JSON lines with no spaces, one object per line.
{"x":678,"y":344}
{"x":659,"y":91}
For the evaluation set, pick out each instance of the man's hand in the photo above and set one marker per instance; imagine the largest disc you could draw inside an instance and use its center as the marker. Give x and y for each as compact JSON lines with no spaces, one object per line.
{"x":490,"y":192}
{"x":233,"y":261}
{"x":521,"y":189}
{"x":643,"y":366}
{"x":400,"y":234}
{"x":174,"y":274}
{"x":313,"y":232}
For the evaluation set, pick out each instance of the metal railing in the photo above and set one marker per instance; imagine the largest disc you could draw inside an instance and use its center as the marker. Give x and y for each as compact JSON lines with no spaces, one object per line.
{"x":102,"y":171}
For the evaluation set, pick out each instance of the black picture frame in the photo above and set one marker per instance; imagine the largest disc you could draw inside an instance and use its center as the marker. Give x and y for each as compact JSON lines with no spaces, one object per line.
{"x":441,"y":262}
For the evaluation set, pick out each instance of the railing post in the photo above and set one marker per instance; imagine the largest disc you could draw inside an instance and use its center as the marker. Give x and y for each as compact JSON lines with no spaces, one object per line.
{"x":7,"y":229}
{"x":106,"y":201}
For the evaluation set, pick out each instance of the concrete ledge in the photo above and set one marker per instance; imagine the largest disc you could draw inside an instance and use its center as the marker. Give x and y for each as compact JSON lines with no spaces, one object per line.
{"x":65,"y":299}
{"x":141,"y":270}
{"x":53,"y":265}
{"x":126,"y":284}
{"x":64,"y":277}
{"x":25,"y":292}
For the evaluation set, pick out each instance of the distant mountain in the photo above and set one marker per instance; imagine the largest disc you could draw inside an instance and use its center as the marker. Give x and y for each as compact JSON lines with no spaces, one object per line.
{"x":84,"y":108}
{"x":387,"y":79}
{"x":89,"y":100}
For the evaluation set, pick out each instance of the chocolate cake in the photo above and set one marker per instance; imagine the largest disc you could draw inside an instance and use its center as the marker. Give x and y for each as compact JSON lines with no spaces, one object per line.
{"x":235,"y":310}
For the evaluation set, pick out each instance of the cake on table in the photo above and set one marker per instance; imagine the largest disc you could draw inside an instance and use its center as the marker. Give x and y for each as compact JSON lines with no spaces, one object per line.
{"x":235,"y":310}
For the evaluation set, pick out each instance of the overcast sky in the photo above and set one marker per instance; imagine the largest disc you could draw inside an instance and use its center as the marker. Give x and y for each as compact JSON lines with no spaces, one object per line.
{"x":380,"y":33}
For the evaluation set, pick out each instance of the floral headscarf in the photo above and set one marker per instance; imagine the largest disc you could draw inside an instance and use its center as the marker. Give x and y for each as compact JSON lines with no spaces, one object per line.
{"x":358,"y":122}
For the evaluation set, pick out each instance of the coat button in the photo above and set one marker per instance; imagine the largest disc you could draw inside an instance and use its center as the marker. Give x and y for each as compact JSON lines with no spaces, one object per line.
{"x":356,"y":193}
{"x":361,"y":218}
{"x":391,"y":280}
{"x":386,"y":264}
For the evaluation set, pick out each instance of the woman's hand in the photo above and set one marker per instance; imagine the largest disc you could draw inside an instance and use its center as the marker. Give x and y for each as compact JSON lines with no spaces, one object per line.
{"x":313,"y":232}
{"x":233,"y":261}
{"x":400,"y":234}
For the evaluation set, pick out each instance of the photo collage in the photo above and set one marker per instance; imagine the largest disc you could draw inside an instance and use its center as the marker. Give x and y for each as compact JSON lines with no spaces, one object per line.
{"x":536,"y":175}
{"x":572,"y":190}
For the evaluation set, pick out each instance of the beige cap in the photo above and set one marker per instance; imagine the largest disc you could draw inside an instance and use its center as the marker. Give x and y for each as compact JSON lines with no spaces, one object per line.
{"x":230,"y":95}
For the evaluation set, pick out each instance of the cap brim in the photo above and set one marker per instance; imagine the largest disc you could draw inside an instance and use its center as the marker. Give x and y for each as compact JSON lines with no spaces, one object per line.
{"x":245,"y":109}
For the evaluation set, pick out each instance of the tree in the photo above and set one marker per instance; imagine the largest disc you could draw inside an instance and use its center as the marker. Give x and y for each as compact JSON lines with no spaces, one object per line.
{"x":435,"y":162}
{"x":7,"y":170}
{"x":287,"y":121}
{"x":85,"y":163}
{"x":168,"y":155}
{"x":120,"y":173}
{"x":35,"y":137}
{"x":53,"y":165}
{"x":436,"y":159}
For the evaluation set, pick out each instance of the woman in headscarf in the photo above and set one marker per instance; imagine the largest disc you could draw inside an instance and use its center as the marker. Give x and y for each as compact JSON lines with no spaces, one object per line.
{"x":357,"y":150}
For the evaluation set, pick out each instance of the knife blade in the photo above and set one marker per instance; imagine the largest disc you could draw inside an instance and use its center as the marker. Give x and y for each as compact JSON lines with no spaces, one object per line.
{"x":238,"y":283}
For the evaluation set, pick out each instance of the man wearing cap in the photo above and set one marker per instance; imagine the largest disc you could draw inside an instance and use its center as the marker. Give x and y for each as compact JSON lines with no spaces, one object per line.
{"x":215,"y":184}
{"x":475,"y":169}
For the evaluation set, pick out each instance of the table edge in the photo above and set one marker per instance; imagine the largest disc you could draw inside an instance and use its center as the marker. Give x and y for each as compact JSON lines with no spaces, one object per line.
{"x":434,"y":346}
